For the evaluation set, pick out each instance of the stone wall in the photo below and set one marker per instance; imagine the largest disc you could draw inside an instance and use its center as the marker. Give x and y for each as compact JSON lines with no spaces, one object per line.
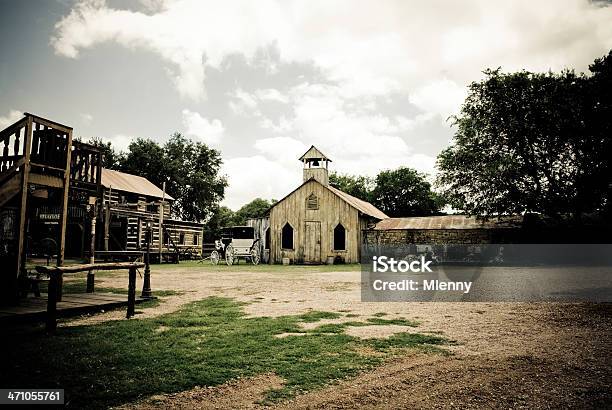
{"x":438,"y":236}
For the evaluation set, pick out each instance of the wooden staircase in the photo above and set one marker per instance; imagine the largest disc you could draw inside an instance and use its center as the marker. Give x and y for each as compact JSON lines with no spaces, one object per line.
{"x":10,"y":187}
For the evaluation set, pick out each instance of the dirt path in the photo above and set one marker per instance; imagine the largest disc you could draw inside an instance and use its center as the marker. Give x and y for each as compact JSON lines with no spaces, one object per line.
{"x":513,"y":355}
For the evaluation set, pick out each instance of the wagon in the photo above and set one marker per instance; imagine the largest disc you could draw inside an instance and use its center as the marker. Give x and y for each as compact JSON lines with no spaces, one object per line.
{"x":235,"y":243}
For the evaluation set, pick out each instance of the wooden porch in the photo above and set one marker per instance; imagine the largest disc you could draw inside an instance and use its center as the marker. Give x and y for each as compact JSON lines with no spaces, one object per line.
{"x":35,"y":308}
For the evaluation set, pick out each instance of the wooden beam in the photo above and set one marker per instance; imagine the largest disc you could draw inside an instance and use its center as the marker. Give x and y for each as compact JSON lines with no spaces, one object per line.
{"x":24,"y":201}
{"x":64,"y":209}
{"x":46,"y":180}
{"x":11,"y":129}
{"x":87,"y":267}
{"x":51,"y":124}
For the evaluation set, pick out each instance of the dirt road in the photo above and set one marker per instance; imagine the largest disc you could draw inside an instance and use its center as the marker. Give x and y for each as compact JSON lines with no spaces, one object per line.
{"x":510,"y":355}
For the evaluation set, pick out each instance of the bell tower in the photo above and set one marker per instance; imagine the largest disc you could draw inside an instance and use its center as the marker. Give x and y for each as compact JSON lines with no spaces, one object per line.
{"x":315,"y":165}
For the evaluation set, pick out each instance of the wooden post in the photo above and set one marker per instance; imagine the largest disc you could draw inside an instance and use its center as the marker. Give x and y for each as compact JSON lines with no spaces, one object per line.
{"x":146,"y":284}
{"x":54,"y":283}
{"x":107,"y":217}
{"x":131,"y":293}
{"x":20,"y":262}
{"x":161,"y":221}
{"x":92,"y":250}
{"x":64,"y":208}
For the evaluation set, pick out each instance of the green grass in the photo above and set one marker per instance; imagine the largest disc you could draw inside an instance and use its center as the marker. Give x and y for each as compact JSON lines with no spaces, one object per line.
{"x":206,"y":343}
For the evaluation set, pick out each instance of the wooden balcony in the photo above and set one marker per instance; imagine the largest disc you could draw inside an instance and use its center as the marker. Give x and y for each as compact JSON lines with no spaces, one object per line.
{"x":42,"y":146}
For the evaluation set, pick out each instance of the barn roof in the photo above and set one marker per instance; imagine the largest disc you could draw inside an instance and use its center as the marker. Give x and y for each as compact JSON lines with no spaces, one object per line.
{"x":362,"y":206}
{"x":122,"y":181}
{"x":448,"y":222}
{"x":314,"y":153}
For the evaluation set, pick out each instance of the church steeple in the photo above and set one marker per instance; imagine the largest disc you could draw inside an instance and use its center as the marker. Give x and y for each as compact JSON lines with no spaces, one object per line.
{"x":315,"y":165}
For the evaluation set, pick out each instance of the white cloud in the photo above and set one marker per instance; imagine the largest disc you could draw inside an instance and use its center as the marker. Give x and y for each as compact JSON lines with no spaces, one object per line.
{"x":12,"y":117}
{"x":87,"y":118}
{"x":120,"y":142}
{"x":271,"y":94}
{"x":257,"y":177}
{"x":442,"y":97}
{"x":244,"y":103}
{"x":283,"y":125}
{"x":210,"y":132}
{"x":283,"y":149}
{"x":375,"y":49}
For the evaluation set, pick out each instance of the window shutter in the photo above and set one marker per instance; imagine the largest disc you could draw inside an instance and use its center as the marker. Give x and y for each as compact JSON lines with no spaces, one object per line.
{"x":312,"y":202}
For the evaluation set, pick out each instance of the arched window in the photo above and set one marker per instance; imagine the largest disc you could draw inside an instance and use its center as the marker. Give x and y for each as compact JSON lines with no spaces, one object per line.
{"x":267,"y":239}
{"x":339,"y":238}
{"x":312,"y":202}
{"x":287,"y":237}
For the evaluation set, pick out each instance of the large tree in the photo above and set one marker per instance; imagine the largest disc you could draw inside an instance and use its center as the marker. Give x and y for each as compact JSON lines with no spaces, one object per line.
{"x":357,"y":186}
{"x":405,"y":192}
{"x":526,"y":142}
{"x":254,"y":209}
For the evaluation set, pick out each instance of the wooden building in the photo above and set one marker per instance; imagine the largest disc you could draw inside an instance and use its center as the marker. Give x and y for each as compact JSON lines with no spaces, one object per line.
{"x":54,"y":193}
{"x":316,"y":221}
{"x":132,"y":205}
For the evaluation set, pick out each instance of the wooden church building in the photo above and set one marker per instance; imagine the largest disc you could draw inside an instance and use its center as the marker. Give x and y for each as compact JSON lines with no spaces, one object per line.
{"x":316,"y":221}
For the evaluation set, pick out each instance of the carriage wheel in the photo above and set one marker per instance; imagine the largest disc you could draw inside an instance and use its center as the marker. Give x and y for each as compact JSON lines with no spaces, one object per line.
{"x":255,"y":256}
{"x":214,"y":258}
{"x":229,"y":255}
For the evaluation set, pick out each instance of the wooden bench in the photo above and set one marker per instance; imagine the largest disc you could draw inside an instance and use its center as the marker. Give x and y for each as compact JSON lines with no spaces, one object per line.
{"x":56,"y":274}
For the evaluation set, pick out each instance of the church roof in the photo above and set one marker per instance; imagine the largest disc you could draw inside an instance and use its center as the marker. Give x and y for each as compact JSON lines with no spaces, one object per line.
{"x":314,"y":153}
{"x":362,"y":206}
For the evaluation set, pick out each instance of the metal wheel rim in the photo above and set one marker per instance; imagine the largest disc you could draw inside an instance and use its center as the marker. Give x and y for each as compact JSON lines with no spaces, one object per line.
{"x":255,"y":257}
{"x":214,"y":258}
{"x":229,"y":256}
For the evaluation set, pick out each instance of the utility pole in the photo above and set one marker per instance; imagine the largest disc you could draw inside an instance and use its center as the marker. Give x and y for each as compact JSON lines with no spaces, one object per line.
{"x":161,"y":221}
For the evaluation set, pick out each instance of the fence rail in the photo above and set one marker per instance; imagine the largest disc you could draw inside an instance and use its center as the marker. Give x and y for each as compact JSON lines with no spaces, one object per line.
{"x":56,"y":274}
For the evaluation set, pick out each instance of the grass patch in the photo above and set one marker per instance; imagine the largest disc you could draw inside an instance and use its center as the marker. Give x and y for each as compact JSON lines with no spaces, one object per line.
{"x":315,"y":316}
{"x":205,"y":343}
{"x":401,"y":322}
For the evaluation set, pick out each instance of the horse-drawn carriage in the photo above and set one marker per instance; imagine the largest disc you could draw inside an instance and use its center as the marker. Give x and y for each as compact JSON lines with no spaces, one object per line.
{"x":236,"y":242}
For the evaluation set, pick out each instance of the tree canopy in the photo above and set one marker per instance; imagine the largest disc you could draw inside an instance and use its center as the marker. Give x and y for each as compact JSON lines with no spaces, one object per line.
{"x":357,"y":186}
{"x":405,"y":192}
{"x":531,"y":142}
{"x":399,"y":192}
{"x":254,"y":209}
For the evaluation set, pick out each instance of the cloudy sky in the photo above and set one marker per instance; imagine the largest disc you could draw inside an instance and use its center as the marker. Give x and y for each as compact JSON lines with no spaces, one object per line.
{"x":371,"y":83}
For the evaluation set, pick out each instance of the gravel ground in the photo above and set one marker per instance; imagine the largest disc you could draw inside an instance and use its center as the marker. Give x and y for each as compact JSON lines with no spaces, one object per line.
{"x":512,"y":355}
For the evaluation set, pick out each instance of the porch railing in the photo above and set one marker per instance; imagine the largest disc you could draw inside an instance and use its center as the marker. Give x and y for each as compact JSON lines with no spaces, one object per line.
{"x":47,"y":144}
